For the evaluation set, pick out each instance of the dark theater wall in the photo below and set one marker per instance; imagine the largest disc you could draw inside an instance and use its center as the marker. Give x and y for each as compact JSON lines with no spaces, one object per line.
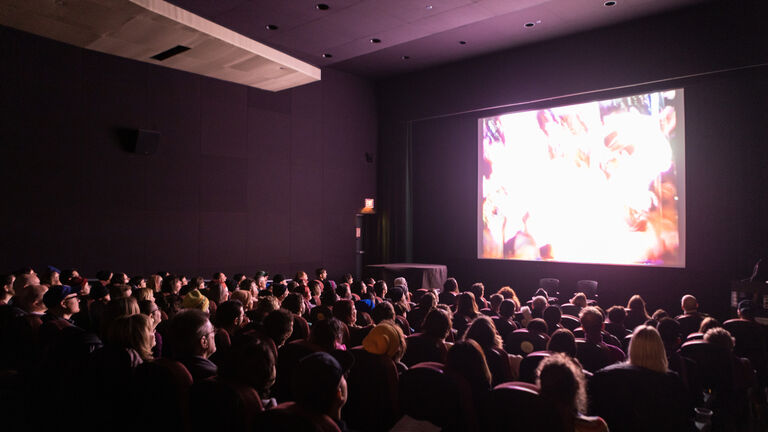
{"x":243,"y":179}
{"x":718,"y":52}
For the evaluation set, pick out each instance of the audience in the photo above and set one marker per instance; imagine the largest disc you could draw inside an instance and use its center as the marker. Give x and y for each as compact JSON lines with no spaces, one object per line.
{"x":237,"y":352}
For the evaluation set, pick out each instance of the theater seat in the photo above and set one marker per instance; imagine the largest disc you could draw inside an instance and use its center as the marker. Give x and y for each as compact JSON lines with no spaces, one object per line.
{"x":750,"y":343}
{"x":713,"y":364}
{"x":422,"y":348}
{"x":427,"y":393}
{"x":689,"y":323}
{"x":593,"y":357}
{"x":227,"y":406}
{"x":517,"y":406}
{"x":529,"y":365}
{"x":570,"y":322}
{"x":498,"y":363}
{"x":162,"y":383}
{"x":635,"y":399}
{"x":287,"y":360}
{"x":695,"y":336}
{"x":522,"y":342}
{"x":373,"y":392}
{"x":570,"y":309}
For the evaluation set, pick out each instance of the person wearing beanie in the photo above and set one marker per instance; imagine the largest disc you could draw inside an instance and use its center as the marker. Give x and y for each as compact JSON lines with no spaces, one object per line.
{"x":385,"y":339}
{"x":62,"y":302}
{"x":195,"y":300}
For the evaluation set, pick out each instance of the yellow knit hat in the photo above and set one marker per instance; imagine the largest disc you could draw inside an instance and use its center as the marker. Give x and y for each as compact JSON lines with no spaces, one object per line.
{"x":384,"y":339}
{"x":195,"y":300}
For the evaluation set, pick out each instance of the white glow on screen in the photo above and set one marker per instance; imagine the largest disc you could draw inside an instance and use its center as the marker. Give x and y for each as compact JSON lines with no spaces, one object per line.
{"x":597,"y":182}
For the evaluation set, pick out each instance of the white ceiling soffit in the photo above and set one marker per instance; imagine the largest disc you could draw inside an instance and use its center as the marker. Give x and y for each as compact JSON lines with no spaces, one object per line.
{"x":141,"y":29}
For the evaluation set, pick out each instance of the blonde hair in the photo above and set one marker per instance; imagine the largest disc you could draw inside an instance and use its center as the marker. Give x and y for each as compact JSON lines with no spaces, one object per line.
{"x":579,"y":299}
{"x":646,"y":349}
{"x":134,"y":332}
{"x":117,"y":308}
{"x":145,"y":294}
{"x":244,"y":296}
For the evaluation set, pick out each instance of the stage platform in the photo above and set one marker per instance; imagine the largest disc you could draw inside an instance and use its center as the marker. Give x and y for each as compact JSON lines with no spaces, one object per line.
{"x":417,"y":275}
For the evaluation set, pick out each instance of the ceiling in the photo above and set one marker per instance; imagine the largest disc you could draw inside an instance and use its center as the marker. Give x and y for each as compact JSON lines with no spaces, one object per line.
{"x":413,"y":34}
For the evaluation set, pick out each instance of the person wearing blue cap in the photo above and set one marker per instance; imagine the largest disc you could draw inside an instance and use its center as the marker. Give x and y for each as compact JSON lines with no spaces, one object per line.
{"x":62,"y":302}
{"x":51,"y":276}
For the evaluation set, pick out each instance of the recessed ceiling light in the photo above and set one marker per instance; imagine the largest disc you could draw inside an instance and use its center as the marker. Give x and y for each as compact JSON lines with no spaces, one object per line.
{"x":271,"y":27}
{"x":609,"y":3}
{"x":375,"y":40}
{"x":462,"y":42}
{"x":322,"y":6}
{"x":529,"y":24}
{"x":429,"y":7}
{"x":327,"y":55}
{"x":405,"y":57}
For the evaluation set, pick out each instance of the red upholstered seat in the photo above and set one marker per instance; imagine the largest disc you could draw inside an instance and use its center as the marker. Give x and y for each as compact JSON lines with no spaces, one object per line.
{"x":227,"y":406}
{"x":373,"y":392}
{"x":427,"y":393}
{"x":161,"y":389}
{"x":517,"y":406}
{"x":530,"y":363}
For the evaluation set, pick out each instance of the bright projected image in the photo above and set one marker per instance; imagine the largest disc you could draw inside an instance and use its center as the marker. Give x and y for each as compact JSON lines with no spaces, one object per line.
{"x":597,"y":182}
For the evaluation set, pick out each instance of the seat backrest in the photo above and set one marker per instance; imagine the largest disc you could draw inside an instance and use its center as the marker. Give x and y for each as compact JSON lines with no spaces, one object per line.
{"x":287,"y":361}
{"x":498,"y":363}
{"x":695,"y":336}
{"x":570,"y":322}
{"x":588,"y":287}
{"x":427,"y":393}
{"x":227,"y":406}
{"x":750,"y":337}
{"x":422,"y":348}
{"x":522,"y":342}
{"x":593,"y":357}
{"x":162,"y":383}
{"x":570,"y":309}
{"x":713,"y":364}
{"x":689,"y":323}
{"x":550,"y":285}
{"x":529,"y":365}
{"x":517,"y":406}
{"x":635,"y":399}
{"x":373,"y":392}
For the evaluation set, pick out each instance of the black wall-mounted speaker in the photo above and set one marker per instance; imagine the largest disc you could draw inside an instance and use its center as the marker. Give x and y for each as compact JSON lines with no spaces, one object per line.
{"x":146,"y":142}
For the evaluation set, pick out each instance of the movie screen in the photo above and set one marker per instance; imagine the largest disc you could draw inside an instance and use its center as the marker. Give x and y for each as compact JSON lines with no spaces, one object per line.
{"x":599,"y":182}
